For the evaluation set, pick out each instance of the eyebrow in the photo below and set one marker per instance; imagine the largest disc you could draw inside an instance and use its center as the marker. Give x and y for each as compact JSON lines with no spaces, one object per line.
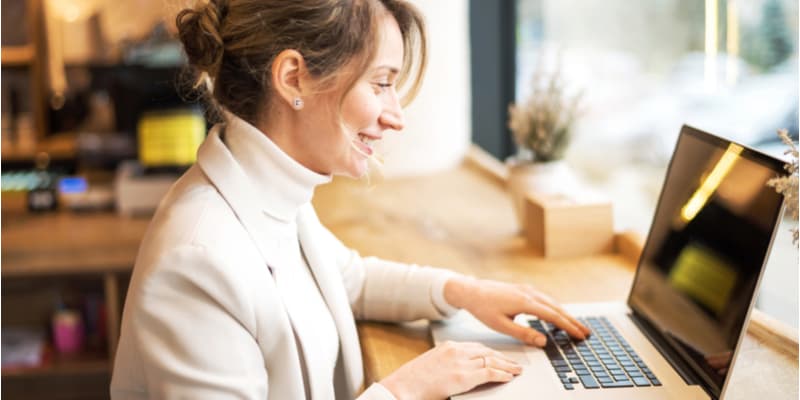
{"x":391,"y":69}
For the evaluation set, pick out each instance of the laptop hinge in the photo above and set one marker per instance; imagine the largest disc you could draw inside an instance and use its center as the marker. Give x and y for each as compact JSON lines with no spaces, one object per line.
{"x":673,"y":358}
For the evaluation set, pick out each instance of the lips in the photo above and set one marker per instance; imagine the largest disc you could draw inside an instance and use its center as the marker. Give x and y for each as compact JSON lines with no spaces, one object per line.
{"x":365,"y":141}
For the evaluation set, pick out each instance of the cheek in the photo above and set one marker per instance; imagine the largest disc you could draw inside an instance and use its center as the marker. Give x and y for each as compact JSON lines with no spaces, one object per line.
{"x":361,"y":109}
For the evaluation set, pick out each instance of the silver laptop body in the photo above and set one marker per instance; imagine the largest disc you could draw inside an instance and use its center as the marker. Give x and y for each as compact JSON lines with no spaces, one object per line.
{"x":690,"y":301}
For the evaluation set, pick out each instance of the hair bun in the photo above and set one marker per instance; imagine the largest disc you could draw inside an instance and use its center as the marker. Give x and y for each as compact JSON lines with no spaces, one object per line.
{"x":199,"y":32}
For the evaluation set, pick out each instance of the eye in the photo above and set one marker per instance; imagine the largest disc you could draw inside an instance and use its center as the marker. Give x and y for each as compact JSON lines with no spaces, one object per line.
{"x":381,"y":87}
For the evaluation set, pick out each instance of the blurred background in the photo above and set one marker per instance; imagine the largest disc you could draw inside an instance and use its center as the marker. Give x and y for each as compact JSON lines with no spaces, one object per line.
{"x":95,"y":124}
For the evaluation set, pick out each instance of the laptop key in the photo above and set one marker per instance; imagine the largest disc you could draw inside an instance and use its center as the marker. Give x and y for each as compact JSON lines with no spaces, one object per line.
{"x":655,"y":382}
{"x":568,"y":386}
{"x":588,"y":382}
{"x":616,"y":384}
{"x":640,"y":381}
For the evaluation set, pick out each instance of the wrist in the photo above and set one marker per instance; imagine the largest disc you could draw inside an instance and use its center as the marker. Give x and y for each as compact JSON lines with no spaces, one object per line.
{"x":395,"y":388}
{"x":458,"y":290}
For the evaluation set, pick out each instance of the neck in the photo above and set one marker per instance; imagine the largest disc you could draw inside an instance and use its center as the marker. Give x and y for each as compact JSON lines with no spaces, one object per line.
{"x":284,"y":126}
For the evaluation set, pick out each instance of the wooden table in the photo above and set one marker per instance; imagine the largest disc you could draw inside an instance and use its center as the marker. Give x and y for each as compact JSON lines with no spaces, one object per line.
{"x":460,"y":219}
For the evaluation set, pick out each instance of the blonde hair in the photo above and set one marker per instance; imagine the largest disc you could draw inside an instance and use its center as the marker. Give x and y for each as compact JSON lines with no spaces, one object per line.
{"x":231,"y":45}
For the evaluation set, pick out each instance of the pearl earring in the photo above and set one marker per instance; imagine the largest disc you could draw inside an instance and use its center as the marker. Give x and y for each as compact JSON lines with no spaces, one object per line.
{"x":297,"y":103}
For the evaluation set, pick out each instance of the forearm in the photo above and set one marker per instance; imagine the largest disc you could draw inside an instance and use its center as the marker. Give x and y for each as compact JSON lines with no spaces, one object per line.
{"x":400,"y":292}
{"x":459,"y":290}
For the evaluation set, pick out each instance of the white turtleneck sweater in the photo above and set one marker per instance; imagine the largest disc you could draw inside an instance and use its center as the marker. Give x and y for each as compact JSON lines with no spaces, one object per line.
{"x":285,"y":185}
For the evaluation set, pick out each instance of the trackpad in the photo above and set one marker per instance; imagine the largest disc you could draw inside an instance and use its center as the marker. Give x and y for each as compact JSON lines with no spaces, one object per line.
{"x":463,"y":327}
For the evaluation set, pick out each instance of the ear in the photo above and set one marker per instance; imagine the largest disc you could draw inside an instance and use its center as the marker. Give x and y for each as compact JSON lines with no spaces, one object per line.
{"x":289,"y":77}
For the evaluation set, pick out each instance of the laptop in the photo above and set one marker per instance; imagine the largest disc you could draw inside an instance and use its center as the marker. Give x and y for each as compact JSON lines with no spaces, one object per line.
{"x":677,"y":335}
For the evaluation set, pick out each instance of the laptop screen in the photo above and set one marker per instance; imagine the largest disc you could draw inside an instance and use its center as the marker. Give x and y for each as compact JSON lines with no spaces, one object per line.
{"x":707,"y":247}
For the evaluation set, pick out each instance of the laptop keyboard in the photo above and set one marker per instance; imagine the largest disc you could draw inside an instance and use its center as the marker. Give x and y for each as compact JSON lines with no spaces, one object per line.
{"x":604,"y":360}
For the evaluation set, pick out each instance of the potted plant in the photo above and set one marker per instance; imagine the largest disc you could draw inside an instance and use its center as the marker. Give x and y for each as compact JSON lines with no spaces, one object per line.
{"x":542,"y":127}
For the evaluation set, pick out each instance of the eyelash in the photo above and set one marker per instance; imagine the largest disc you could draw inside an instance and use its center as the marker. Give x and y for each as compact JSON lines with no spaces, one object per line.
{"x":383,"y":86}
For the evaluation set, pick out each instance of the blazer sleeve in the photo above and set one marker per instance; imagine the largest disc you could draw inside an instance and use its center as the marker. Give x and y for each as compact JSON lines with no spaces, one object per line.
{"x":376,"y":391}
{"x":193,"y":332}
{"x":389,"y":291}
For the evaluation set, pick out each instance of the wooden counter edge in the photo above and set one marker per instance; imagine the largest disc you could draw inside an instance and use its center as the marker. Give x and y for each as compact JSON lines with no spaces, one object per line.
{"x":487,"y":165}
{"x":773,"y":332}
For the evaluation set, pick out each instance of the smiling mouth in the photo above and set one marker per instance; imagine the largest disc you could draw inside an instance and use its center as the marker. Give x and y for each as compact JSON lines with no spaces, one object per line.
{"x":365,"y":143}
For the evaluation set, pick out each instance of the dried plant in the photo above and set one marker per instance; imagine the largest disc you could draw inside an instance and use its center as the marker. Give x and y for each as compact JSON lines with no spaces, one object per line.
{"x":542,"y":126}
{"x":787,"y":184}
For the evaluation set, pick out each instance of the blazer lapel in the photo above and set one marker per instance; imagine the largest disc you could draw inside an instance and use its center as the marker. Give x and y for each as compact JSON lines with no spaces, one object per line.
{"x":330,"y":284}
{"x":223,"y":171}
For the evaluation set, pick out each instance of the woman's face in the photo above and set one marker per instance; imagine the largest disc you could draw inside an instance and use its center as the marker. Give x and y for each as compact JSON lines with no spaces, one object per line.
{"x":368,"y":110}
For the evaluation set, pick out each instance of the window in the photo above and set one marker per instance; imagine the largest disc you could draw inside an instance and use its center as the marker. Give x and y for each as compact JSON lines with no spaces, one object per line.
{"x":645,"y":68}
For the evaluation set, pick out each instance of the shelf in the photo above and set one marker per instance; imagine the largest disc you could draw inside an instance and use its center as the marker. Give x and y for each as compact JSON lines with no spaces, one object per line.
{"x":79,"y":364}
{"x":17,"y":56}
{"x":60,"y":146}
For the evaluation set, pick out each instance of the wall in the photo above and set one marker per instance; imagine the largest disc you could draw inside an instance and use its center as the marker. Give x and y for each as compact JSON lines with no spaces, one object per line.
{"x":438,"y":128}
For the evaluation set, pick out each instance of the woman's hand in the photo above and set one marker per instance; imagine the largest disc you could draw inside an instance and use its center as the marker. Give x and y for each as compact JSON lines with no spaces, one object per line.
{"x":496,"y":304}
{"x":449,"y":369}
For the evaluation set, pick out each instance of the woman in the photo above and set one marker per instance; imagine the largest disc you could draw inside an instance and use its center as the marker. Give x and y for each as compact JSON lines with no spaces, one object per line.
{"x":238,"y":290}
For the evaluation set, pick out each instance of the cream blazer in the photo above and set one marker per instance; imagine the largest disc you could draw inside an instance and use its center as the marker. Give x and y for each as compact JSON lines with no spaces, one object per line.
{"x":203,"y":318}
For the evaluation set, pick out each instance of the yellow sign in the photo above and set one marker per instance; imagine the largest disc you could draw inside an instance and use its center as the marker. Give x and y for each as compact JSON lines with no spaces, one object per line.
{"x":170,"y":138}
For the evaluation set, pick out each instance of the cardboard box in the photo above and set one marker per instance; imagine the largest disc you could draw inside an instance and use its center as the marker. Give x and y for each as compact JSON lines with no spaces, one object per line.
{"x":569,"y":226}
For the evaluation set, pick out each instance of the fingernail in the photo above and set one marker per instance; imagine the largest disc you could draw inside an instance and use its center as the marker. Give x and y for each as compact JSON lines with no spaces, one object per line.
{"x":541,"y":341}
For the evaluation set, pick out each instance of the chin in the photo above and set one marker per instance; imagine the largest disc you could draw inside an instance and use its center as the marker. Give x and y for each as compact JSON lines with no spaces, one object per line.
{"x":358,"y":169}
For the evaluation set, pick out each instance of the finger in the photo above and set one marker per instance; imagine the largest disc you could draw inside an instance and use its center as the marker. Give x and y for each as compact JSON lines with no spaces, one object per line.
{"x":499,"y":363}
{"x":549,"y":301}
{"x":491,"y":353}
{"x":546,"y":313}
{"x":482,"y":351}
{"x":557,"y":307}
{"x":485,"y":375}
{"x":526,"y":335}
{"x":494,"y":375}
{"x":475,"y":351}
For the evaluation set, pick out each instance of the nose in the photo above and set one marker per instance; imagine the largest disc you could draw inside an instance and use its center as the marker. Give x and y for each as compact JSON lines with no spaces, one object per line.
{"x":392,"y":115}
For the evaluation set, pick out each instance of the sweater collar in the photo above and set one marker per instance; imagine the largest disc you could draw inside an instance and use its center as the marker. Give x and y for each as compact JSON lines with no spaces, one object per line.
{"x":282,"y":184}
